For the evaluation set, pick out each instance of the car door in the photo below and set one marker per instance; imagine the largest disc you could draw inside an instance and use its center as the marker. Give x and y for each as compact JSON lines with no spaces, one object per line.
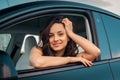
{"x":112,"y":26}
{"x":101,"y":68}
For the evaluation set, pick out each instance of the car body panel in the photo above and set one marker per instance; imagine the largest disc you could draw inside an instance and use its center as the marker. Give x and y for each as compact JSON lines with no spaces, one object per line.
{"x":112,"y":27}
{"x":115,"y":66}
{"x":92,"y":73}
{"x":103,"y":41}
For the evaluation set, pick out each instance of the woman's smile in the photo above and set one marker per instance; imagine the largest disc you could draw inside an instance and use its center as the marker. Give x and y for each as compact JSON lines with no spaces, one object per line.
{"x":56,"y":44}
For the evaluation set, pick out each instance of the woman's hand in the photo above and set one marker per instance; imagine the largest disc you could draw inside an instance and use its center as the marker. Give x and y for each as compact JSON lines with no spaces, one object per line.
{"x":82,"y":60}
{"x":85,"y":61}
{"x":68,"y":25}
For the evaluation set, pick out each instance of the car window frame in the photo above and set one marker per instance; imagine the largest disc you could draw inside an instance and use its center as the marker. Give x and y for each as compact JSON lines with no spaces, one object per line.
{"x":56,"y":68}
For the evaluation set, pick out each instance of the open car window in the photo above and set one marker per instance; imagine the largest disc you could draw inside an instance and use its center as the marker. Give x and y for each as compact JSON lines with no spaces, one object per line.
{"x":80,"y":26}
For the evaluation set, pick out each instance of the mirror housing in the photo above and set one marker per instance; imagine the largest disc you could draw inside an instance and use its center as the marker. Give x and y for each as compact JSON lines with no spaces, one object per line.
{"x":7,"y":69}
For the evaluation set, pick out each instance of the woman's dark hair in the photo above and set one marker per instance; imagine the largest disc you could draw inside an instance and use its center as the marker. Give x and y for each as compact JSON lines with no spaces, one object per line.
{"x":71,"y":48}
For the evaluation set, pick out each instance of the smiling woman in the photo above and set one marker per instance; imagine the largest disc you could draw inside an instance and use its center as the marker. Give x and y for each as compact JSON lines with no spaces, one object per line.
{"x":60,"y":46}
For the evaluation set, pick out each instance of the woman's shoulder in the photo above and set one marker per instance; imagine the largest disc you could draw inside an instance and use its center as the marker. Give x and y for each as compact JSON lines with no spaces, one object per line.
{"x":36,"y":49}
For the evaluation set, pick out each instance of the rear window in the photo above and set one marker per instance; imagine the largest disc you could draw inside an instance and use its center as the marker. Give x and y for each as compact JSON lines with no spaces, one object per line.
{"x":4,"y":41}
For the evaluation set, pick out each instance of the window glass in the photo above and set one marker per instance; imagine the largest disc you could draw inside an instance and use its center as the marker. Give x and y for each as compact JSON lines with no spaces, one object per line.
{"x":4,"y":41}
{"x":112,"y":26}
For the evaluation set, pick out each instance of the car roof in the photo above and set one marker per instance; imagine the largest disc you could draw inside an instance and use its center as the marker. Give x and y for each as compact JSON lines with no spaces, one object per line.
{"x":12,"y":5}
{"x":75,"y":3}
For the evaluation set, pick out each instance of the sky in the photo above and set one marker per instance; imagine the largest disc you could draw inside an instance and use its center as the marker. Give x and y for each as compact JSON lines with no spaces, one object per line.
{"x":110,"y":5}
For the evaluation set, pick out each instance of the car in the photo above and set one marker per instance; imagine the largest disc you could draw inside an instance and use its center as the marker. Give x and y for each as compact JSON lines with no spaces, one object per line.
{"x":22,"y":20}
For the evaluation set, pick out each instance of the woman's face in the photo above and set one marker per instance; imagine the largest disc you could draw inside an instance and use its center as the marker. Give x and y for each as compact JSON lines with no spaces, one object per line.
{"x":57,"y":37}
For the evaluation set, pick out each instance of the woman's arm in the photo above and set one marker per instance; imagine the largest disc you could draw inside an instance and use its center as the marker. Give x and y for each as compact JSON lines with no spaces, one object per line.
{"x":91,"y":51}
{"x":39,"y":61}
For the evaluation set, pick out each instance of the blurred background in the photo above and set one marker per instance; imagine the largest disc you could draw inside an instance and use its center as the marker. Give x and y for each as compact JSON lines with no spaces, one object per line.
{"x":110,"y":5}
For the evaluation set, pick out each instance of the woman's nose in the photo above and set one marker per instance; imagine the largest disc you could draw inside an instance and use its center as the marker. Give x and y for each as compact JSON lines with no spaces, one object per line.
{"x":56,"y":38}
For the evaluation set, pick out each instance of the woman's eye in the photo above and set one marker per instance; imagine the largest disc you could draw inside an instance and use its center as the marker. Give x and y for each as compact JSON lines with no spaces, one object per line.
{"x":61,"y":34}
{"x":50,"y":35}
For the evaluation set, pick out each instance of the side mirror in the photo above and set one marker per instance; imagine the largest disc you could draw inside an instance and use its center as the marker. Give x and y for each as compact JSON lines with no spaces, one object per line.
{"x":7,"y":69}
